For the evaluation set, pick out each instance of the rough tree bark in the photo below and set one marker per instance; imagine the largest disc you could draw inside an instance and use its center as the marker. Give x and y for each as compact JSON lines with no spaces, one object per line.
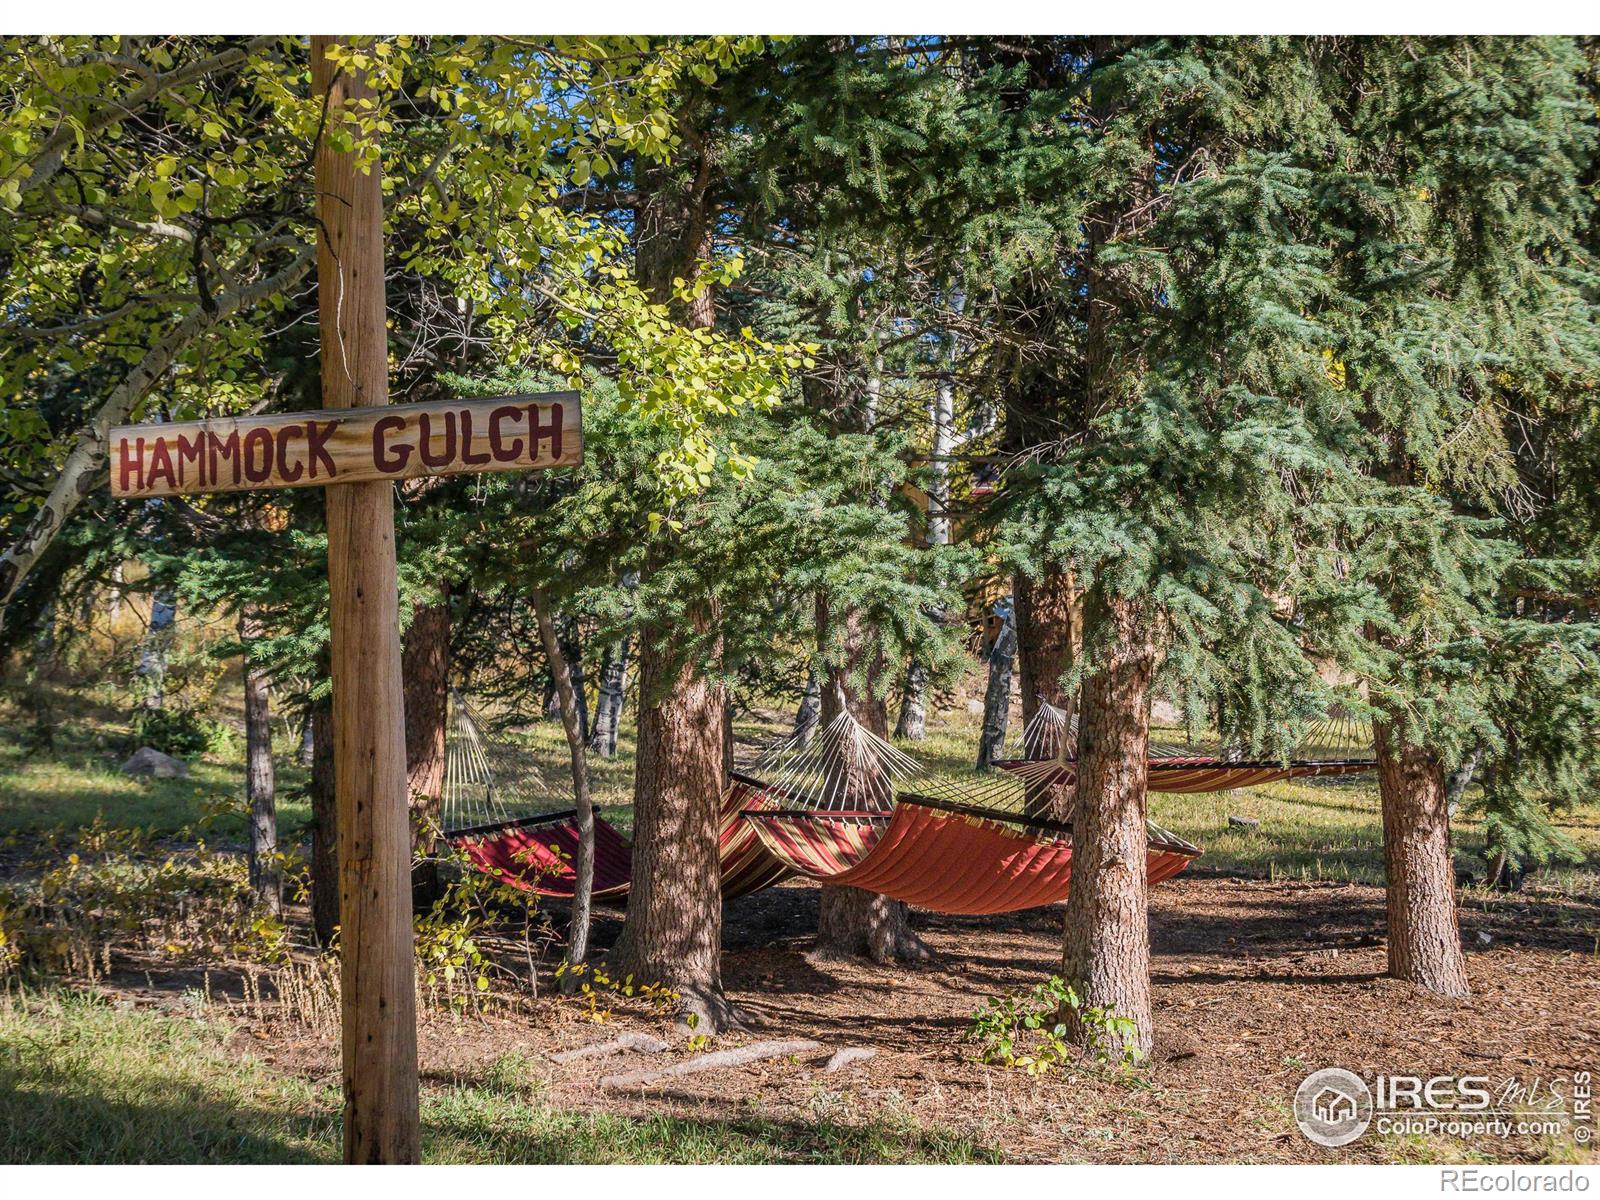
{"x":266,"y":875}
{"x":157,"y":647}
{"x":997,"y":695}
{"x":425,"y":664}
{"x":613,"y":690}
{"x":912,"y":724}
{"x":324,"y":827}
{"x":1419,"y":876}
{"x":1047,"y":637}
{"x":806,"y":716}
{"x":852,"y":923}
{"x":583,"y":889}
{"x":1106,"y":954}
{"x":673,"y":930}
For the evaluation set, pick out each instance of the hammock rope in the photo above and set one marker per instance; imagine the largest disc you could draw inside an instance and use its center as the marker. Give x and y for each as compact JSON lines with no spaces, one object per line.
{"x":490,"y":797}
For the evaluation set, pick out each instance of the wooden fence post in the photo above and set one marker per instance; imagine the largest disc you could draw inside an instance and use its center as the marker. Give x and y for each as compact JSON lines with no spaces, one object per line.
{"x":378,"y":974}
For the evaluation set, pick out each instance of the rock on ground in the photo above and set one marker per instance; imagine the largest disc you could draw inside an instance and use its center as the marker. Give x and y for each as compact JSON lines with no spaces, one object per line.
{"x":147,"y":760}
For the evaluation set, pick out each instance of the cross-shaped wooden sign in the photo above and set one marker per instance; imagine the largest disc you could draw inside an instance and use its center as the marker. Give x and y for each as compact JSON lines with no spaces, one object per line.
{"x":355,"y":449}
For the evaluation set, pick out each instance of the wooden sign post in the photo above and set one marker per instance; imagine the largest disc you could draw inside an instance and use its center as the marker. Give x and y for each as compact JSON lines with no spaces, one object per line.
{"x":356,"y":449}
{"x":377,"y":983}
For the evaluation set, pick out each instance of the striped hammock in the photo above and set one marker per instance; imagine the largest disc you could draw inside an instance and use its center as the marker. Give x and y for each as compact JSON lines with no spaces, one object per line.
{"x":1343,"y":746}
{"x":850,"y":809}
{"x":486,"y":784}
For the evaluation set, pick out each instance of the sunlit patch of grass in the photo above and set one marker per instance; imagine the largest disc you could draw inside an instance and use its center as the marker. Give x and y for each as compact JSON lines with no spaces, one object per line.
{"x":84,"y":1082}
{"x":81,"y":1082}
{"x":71,"y":787}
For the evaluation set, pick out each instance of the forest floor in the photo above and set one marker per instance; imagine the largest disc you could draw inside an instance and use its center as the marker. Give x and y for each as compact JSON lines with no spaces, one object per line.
{"x":1268,"y":964}
{"x":1256,"y":983}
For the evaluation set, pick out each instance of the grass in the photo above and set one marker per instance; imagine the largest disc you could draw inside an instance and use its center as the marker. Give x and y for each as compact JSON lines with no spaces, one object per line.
{"x":82,"y":1081}
{"x":81,"y":778}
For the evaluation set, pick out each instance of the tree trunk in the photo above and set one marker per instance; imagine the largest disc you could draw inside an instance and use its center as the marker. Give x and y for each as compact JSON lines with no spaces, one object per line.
{"x":324,"y":827}
{"x":997,"y":696}
{"x":913,"y":723}
{"x":1420,"y":881}
{"x":114,"y":605}
{"x":852,"y":923}
{"x":157,"y":647}
{"x":266,"y":876}
{"x":572,"y":651}
{"x":806,"y":716}
{"x":673,"y":930}
{"x":613,"y":688}
{"x":1047,"y":636}
{"x":425,"y":664}
{"x":1106,"y":954}
{"x":1460,"y":780}
{"x":583,"y":888}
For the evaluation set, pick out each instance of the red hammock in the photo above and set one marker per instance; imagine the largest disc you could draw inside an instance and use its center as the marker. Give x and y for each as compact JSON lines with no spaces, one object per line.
{"x":940,"y":855}
{"x":538,"y":854}
{"x":1198,"y":773}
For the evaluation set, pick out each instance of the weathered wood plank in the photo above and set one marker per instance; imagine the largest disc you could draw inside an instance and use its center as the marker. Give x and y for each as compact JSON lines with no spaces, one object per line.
{"x":356,"y":445}
{"x":377,"y":956}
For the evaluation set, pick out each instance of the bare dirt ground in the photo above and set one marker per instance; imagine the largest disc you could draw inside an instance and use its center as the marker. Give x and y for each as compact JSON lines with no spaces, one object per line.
{"x":1257,"y":983}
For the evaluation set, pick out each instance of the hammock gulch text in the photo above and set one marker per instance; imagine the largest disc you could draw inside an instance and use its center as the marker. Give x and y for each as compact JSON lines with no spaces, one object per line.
{"x":355,"y":445}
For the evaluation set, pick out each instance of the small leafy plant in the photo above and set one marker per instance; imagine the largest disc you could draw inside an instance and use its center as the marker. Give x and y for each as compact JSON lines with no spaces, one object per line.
{"x":1031,"y":1031}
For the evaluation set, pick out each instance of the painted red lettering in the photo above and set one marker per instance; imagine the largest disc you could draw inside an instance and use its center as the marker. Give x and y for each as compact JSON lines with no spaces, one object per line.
{"x":504,"y":451}
{"x":284,"y":434}
{"x":258,"y":441}
{"x":425,"y":440}
{"x":228,"y":449}
{"x":131,"y":464}
{"x":317,"y":438}
{"x":383,"y":458}
{"x":467,"y":456}
{"x":160,"y":464}
{"x":542,"y":431}
{"x":192,"y":450}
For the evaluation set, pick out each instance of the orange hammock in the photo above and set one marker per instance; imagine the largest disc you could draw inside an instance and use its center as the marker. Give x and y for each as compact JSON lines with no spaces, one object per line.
{"x":850,"y":809}
{"x":932,"y":854}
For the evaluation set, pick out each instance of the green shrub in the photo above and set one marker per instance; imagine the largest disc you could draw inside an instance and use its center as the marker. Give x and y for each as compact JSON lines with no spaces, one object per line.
{"x":180,"y":732}
{"x":1028,"y":1030}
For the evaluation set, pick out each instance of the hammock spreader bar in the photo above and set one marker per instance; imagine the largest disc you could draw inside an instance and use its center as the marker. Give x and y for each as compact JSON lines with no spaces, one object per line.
{"x":1198,"y":773}
{"x":1048,"y":758}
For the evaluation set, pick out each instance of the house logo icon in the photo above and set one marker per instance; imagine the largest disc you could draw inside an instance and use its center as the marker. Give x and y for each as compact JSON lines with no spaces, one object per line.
{"x":1333,"y":1107}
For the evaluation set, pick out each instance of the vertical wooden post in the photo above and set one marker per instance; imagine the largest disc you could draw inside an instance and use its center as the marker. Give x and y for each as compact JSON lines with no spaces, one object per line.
{"x":378,"y":977}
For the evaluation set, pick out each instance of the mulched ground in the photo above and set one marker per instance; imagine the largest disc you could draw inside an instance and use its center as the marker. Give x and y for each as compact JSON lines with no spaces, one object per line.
{"x":1257,"y":983}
